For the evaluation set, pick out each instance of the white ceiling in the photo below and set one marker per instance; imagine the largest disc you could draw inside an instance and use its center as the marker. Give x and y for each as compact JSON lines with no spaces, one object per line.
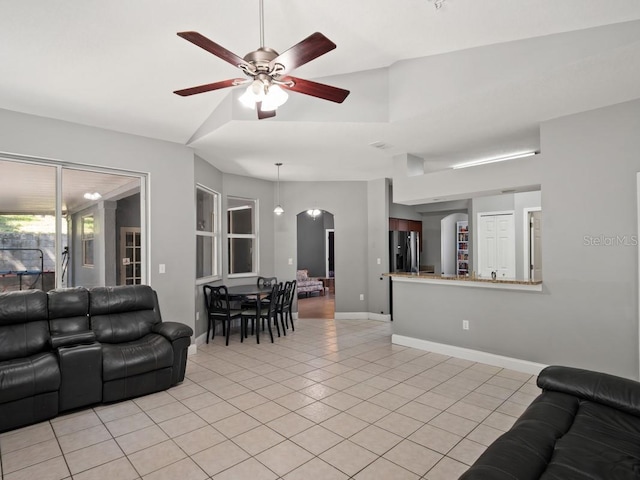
{"x":472,"y":79}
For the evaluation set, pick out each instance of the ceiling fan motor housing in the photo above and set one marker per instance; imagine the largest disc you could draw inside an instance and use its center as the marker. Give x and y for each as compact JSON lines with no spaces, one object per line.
{"x":261,"y":58}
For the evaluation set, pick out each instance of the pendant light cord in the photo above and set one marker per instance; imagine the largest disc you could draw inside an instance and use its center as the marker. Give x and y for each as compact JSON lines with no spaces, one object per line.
{"x":261,"y":24}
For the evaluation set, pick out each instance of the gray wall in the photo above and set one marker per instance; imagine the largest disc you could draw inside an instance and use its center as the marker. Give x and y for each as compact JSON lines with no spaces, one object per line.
{"x":348,"y":203}
{"x":432,"y":241}
{"x":587,"y":314}
{"x":312,"y":243}
{"x":378,"y":246}
{"x":171,"y":204}
{"x":103,"y":270}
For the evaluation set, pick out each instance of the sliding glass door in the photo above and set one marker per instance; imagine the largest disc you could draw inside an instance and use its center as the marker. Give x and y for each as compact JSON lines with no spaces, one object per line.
{"x":66,"y":225}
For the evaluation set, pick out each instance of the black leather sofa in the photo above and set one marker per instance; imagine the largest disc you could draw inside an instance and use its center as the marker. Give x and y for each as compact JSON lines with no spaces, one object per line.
{"x":584,"y":425}
{"x":75,"y":347}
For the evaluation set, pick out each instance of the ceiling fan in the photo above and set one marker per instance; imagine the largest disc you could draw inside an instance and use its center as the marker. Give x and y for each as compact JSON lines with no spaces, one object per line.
{"x":268,"y":71}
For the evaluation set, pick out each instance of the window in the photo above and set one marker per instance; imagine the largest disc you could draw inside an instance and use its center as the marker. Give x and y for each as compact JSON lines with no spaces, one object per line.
{"x":87,"y":240}
{"x":242,"y":236}
{"x":207,"y":233}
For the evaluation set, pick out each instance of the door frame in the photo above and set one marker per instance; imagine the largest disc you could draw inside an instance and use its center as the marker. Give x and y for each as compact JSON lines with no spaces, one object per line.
{"x":326,"y":250}
{"x":526,"y":247}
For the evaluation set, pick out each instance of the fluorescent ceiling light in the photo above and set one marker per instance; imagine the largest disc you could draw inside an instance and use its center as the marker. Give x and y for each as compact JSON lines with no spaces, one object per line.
{"x":494,"y":159}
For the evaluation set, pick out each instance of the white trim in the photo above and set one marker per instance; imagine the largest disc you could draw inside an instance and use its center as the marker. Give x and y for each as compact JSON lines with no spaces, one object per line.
{"x":517,"y":364}
{"x":193,"y":349}
{"x":351,"y":315}
{"x":362,"y":316}
{"x":638,"y":223}
{"x":525,"y":239}
{"x":499,"y":285}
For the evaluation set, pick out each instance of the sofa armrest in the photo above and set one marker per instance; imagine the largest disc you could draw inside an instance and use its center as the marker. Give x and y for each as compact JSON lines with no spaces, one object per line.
{"x":74,"y":338}
{"x":173,"y":331}
{"x":610,"y":390}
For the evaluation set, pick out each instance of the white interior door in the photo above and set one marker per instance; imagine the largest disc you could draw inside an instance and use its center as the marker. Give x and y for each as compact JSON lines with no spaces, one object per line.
{"x":535,"y":245}
{"x":487,"y":241}
{"x":496,"y":245}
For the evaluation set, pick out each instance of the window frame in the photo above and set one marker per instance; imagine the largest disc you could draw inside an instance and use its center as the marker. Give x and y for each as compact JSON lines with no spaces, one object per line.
{"x":255,"y":237}
{"x":215,"y":235}
{"x":88,"y":240}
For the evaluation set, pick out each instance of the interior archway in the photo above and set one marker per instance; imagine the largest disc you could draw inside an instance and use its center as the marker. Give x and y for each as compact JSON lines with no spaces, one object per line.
{"x":315,"y":271}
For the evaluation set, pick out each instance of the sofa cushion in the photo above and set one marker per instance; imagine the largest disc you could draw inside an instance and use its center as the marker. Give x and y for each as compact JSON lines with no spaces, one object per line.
{"x":25,"y":377}
{"x":151,"y":352}
{"x":68,"y":310}
{"x":302,"y":275}
{"x":122,"y":314}
{"x":24,"y":330}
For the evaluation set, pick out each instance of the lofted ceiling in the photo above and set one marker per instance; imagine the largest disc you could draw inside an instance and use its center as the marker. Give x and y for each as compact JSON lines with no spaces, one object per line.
{"x":469,"y":80}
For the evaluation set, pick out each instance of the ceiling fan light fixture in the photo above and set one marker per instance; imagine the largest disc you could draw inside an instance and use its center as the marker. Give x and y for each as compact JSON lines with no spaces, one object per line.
{"x":254,"y":93}
{"x":274,"y":98}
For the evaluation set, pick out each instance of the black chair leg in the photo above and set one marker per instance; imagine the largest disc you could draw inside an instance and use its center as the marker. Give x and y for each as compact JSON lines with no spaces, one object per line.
{"x":269,"y":325}
{"x":228,"y":330}
{"x":209,"y":329}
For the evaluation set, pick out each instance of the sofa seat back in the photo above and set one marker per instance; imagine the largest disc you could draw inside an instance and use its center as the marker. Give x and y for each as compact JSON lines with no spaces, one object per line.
{"x":68,"y":310}
{"x":24,"y":329}
{"x":122,"y":314}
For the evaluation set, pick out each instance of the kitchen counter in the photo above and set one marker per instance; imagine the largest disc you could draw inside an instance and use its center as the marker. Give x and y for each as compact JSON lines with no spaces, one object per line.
{"x":465,"y":281}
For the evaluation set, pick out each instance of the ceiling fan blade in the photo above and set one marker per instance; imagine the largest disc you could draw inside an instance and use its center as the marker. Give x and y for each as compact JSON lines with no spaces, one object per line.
{"x":318,"y":90}
{"x":212,"y":47}
{"x":311,"y":47}
{"x":210,"y":86}
{"x":264,"y":114}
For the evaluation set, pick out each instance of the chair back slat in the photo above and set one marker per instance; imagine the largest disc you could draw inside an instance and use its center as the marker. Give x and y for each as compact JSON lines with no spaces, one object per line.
{"x":266,"y":282}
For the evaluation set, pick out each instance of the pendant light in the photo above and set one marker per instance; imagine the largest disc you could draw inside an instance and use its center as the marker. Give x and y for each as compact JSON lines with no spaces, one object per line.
{"x":278,"y":210}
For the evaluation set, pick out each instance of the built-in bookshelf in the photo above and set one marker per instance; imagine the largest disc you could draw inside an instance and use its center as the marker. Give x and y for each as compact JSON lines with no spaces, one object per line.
{"x":462,"y":248}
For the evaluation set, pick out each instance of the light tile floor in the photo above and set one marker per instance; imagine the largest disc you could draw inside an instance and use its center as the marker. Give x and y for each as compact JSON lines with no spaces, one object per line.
{"x":332,"y":400}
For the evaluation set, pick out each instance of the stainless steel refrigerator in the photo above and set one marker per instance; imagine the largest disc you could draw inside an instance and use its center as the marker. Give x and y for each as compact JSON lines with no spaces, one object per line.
{"x":405,"y":251}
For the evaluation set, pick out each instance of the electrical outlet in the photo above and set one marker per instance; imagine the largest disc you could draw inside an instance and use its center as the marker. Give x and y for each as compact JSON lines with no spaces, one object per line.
{"x":290,"y":261}
{"x":378,"y":261}
{"x":362,"y":296}
{"x":465,"y":324}
{"x":162,"y":268}
{"x":197,"y":316}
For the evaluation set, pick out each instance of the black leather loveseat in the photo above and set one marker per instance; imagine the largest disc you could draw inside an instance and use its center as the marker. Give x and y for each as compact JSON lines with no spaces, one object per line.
{"x":584,"y":425}
{"x":75,"y":347}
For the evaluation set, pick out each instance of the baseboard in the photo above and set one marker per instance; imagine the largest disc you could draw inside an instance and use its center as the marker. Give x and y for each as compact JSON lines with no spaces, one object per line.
{"x":351,"y":315}
{"x":517,"y":364}
{"x":380,"y":317}
{"x":193,"y":349}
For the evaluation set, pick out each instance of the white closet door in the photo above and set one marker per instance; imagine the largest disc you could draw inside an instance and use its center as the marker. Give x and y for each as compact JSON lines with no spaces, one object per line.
{"x":506,"y":251}
{"x":487,"y":246}
{"x":497,"y":246}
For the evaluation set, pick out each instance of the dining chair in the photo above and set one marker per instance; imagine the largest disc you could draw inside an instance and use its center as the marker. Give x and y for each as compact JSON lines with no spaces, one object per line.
{"x":263,"y":282}
{"x":268,"y":312}
{"x":219,"y":308}
{"x":285,"y":305}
